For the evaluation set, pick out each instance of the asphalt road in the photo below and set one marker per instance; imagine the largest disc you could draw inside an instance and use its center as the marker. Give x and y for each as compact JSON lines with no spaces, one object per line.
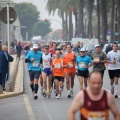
{"x":24,"y":107}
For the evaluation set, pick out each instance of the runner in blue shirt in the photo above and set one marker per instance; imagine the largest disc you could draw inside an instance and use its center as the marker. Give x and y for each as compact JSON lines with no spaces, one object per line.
{"x":34,"y":59}
{"x":83,"y":62}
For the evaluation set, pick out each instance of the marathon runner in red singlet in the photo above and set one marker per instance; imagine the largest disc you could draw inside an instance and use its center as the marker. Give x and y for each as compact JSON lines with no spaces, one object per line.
{"x":94,"y":102}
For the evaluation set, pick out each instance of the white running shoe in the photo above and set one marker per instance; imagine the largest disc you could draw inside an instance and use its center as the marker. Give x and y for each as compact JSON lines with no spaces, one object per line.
{"x":58,"y":96}
{"x":35,"y":96}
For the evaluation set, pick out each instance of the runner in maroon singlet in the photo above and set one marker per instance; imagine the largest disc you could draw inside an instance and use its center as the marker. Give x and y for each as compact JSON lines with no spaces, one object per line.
{"x":94,"y":102}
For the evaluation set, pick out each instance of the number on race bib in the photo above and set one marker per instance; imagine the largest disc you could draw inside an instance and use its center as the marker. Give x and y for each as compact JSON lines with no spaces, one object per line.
{"x":96,"y":116}
{"x":70,"y":64}
{"x":57,"y":65}
{"x":35,"y":64}
{"x":82,"y":64}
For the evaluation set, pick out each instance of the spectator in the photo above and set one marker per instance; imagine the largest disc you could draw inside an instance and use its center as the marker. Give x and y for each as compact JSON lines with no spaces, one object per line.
{"x":76,"y":48}
{"x":108,"y":48}
{"x":12,"y":44}
{"x":28,"y":46}
{"x":19,"y":49}
{"x":0,"y":45}
{"x":5,"y":58}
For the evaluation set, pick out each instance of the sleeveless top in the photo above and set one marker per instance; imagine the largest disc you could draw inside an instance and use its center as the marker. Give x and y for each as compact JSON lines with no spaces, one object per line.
{"x":95,"y":110}
{"x":68,"y":59}
{"x":46,"y":60}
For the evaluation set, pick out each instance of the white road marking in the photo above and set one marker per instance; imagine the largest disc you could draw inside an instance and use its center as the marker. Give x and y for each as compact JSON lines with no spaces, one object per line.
{"x":28,"y":107}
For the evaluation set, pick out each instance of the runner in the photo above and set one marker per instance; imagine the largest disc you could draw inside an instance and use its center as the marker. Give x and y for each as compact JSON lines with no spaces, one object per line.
{"x":99,"y":60}
{"x":58,"y":65}
{"x":94,"y":102}
{"x":70,"y":72}
{"x":46,"y":58}
{"x":82,"y":65}
{"x":34,"y":59}
{"x":114,"y":69}
{"x":41,"y":79}
{"x":52,"y":51}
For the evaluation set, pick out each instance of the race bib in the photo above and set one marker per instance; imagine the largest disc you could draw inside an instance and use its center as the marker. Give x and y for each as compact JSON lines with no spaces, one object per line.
{"x":70,"y":64}
{"x":96,"y":116}
{"x":35,"y":64}
{"x":82,"y":64}
{"x":96,"y":59}
{"x":46,"y":62}
{"x":57,"y":65}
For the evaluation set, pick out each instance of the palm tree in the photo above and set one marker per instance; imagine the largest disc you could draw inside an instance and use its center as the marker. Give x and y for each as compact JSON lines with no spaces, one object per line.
{"x":98,"y":22}
{"x":118,"y":19}
{"x":103,"y":10}
{"x":80,"y":19}
{"x":90,"y":8}
{"x":112,"y":19}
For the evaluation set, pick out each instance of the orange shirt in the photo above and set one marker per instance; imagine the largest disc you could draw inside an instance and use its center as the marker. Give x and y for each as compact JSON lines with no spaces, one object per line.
{"x":68,"y":57}
{"x":57,"y":64}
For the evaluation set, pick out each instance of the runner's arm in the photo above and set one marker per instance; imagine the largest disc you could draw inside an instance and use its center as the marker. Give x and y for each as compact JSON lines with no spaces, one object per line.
{"x":76,"y":105}
{"x":113,"y":107}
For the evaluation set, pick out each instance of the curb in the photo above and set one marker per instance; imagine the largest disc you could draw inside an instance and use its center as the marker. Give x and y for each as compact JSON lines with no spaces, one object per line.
{"x":21,"y":91}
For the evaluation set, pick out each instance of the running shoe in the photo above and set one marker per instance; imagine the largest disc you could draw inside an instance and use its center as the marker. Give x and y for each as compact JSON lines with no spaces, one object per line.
{"x":69,"y":96}
{"x":116,"y":96}
{"x":58,"y":96}
{"x":44,"y":94}
{"x":35,"y":96}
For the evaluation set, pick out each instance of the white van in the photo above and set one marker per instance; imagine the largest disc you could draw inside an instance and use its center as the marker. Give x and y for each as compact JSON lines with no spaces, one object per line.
{"x":36,"y":39}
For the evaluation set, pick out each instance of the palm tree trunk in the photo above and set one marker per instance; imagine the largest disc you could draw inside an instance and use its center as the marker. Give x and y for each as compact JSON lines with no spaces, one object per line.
{"x":112,"y":19}
{"x":70,"y":26}
{"x":103,"y":9}
{"x":118,"y":19}
{"x":76,"y":17}
{"x":63,"y":28}
{"x":66,"y":24}
{"x":98,"y":15}
{"x":81,"y":24}
{"x":90,"y":8}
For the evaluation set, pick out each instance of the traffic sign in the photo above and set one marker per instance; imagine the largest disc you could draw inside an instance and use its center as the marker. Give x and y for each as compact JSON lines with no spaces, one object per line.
{"x":12,"y":14}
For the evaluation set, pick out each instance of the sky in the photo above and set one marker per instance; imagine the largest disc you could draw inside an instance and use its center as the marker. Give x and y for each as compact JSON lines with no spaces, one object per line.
{"x":41,"y":5}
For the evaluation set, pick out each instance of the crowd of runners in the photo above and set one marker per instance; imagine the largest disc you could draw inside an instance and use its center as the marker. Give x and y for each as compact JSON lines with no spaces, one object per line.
{"x":56,"y":65}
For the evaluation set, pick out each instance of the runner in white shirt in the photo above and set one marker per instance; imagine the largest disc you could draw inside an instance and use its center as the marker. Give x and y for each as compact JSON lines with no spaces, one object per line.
{"x":46,"y":59}
{"x":114,"y":68}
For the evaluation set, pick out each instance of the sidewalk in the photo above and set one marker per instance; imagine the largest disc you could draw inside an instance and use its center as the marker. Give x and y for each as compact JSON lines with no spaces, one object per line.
{"x":18,"y":90}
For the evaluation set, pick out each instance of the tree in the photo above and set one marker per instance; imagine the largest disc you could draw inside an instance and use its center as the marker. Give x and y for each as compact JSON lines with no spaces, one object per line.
{"x":80,"y":19}
{"x":98,"y":20}
{"x":28,"y":15}
{"x":42,"y":28}
{"x":90,"y":8}
{"x":103,"y":10}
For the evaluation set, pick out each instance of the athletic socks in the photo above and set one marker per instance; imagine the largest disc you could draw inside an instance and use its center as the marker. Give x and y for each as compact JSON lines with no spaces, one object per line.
{"x":116,"y":89}
{"x":32,"y":88}
{"x":36,"y":88}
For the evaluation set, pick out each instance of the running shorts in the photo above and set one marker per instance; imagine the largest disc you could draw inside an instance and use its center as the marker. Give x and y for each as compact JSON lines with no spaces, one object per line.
{"x":47,"y":71}
{"x":59,"y":78}
{"x":114,"y":73}
{"x":34,"y":74}
{"x":84,"y":74}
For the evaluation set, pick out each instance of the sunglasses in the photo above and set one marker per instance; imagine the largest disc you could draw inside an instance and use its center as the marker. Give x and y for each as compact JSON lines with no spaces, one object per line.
{"x":82,"y":51}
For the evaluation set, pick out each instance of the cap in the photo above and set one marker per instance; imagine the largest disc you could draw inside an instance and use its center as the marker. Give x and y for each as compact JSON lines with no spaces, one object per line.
{"x":35,"y":46}
{"x":46,"y":47}
{"x":97,"y":45}
{"x":82,"y":49}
